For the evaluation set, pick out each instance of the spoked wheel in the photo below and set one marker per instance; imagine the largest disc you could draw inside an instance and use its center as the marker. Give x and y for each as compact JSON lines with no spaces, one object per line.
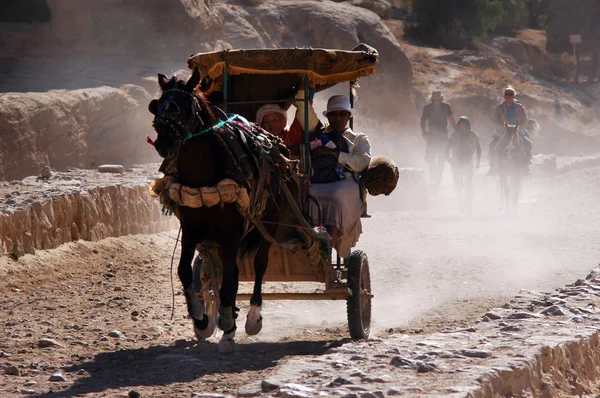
{"x":359,"y":303}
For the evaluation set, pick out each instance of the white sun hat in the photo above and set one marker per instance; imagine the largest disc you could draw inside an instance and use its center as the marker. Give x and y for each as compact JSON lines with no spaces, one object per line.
{"x":339,"y":103}
{"x":268,"y":109}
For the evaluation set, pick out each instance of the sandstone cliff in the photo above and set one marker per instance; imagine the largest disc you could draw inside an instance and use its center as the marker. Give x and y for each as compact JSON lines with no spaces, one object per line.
{"x":79,"y":128}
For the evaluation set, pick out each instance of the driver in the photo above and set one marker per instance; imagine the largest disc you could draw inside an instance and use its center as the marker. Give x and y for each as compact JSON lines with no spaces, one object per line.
{"x":340,"y":198}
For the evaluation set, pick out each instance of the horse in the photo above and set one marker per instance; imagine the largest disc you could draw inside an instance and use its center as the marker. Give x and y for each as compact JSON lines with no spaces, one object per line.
{"x":512,"y":163}
{"x":201,"y":148}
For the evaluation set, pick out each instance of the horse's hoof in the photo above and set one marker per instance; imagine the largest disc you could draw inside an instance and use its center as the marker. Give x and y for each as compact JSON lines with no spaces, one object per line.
{"x":226,"y":319}
{"x":195,"y":306}
{"x":201,"y":332}
{"x":227,"y":344}
{"x":253,"y":321}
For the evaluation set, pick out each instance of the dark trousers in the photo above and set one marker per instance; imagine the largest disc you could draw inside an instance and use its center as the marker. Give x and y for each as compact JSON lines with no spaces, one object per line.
{"x":435,"y":156}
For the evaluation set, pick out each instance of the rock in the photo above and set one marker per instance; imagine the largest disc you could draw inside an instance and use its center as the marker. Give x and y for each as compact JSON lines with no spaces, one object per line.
{"x":30,"y":383}
{"x":4,"y":355}
{"x":57,"y":377}
{"x":111,"y":168}
{"x":12,"y":370}
{"x":134,"y":394}
{"x":45,"y":342}
{"x":116,"y":334}
{"x":250,"y":390}
{"x":493,"y":315}
{"x":26,"y":391}
{"x":554,"y":310}
{"x":511,"y":328}
{"x":45,"y":173}
{"x":377,"y":379}
{"x":338,"y":381}
{"x":523,"y":315}
{"x":202,"y":395}
{"x":401,"y":362}
{"x":426,"y":368}
{"x":475,"y":353}
{"x":268,"y":385}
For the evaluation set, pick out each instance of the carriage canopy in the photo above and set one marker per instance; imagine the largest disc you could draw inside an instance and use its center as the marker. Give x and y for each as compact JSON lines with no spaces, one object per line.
{"x":263,"y":75}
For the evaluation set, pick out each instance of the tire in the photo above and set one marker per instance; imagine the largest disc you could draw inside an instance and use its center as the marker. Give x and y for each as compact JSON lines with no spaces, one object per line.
{"x":358,"y":304}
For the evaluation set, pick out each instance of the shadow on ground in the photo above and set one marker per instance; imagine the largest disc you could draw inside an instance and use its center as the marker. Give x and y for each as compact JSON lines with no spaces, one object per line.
{"x":163,"y":365}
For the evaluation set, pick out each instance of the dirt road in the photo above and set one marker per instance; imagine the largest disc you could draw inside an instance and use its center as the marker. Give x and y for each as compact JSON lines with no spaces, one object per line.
{"x":98,"y":314}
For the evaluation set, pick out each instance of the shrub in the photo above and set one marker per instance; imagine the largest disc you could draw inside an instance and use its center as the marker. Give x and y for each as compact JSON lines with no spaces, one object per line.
{"x":454,"y":24}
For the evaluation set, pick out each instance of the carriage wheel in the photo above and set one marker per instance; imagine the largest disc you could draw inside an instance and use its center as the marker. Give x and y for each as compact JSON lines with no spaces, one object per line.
{"x":359,"y":303}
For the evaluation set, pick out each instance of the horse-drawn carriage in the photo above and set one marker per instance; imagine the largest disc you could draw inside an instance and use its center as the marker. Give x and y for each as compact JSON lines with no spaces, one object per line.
{"x":259,"y":184}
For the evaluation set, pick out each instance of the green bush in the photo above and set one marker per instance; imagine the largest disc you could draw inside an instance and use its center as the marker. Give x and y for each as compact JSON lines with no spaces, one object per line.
{"x":455,"y":23}
{"x":514,"y":17}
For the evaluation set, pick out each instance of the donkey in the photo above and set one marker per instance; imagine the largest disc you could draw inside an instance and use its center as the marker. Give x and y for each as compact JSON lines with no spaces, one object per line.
{"x":512,"y":163}
{"x":194,"y":152}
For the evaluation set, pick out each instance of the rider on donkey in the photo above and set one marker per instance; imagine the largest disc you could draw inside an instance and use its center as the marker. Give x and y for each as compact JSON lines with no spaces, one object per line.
{"x":512,"y":113}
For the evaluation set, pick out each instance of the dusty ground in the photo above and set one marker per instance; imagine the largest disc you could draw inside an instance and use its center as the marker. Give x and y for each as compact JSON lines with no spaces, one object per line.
{"x":431,"y":270}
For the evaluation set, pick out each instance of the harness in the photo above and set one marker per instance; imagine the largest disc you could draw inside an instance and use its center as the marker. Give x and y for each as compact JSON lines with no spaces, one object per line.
{"x":255,"y":155}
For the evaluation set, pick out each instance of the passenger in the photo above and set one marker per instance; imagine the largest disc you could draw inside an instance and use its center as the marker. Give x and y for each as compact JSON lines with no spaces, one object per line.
{"x":339,"y":197}
{"x":273,"y":119}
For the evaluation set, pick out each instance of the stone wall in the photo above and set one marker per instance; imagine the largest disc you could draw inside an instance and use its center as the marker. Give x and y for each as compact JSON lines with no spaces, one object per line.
{"x":40,"y":214}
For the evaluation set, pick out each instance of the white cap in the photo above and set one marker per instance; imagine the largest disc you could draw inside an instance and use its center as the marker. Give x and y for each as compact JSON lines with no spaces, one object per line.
{"x":267,"y":109}
{"x":338,"y":103}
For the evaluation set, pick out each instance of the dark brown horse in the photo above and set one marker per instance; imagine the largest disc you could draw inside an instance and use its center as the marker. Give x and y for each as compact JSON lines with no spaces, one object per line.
{"x":512,"y":163}
{"x":192,"y":142}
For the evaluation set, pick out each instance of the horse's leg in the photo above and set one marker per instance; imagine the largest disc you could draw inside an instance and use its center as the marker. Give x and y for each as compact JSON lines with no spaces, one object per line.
{"x":195,"y":306}
{"x":229,"y":286}
{"x":254,"y":318}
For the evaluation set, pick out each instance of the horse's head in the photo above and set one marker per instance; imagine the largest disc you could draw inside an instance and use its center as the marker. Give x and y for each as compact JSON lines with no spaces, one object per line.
{"x":177,"y":113}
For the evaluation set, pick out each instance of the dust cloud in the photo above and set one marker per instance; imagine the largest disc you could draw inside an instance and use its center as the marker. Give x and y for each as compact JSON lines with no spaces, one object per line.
{"x":433,"y":267}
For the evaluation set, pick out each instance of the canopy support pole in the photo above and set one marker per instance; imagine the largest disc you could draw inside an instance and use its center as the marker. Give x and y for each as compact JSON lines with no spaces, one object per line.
{"x":225,"y":89}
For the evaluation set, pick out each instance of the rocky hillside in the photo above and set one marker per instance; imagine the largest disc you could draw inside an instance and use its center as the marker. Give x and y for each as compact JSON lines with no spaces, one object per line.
{"x":57,"y":45}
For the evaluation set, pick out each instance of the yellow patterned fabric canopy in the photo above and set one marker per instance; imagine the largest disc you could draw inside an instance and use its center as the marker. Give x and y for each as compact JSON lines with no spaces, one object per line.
{"x":323,"y":67}
{"x":264,"y":75}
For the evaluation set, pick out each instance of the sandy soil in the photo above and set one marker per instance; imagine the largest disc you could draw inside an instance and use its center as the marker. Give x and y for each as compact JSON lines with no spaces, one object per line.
{"x":107,"y":305}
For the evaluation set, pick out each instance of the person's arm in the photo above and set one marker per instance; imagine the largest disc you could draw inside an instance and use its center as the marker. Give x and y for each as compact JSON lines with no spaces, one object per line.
{"x":313,"y":119}
{"x":451,"y":118}
{"x":478,"y":149}
{"x":360,"y":157}
{"x":424,"y":118}
{"x":524,"y":120}
{"x":499,"y":118}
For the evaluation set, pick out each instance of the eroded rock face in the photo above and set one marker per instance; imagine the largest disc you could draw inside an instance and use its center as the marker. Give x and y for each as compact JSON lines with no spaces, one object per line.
{"x":82,"y":204}
{"x":330,"y":25}
{"x":80,"y":128}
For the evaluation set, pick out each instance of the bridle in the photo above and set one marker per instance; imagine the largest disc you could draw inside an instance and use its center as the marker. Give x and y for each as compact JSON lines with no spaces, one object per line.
{"x":183,"y":130}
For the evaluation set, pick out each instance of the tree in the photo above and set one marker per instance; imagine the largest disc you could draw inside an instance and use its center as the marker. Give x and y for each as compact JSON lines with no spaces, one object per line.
{"x":455,"y":23}
{"x":536,"y":10}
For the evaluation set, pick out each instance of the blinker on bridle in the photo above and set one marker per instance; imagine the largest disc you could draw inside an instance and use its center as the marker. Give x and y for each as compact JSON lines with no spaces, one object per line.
{"x":168,"y":112}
